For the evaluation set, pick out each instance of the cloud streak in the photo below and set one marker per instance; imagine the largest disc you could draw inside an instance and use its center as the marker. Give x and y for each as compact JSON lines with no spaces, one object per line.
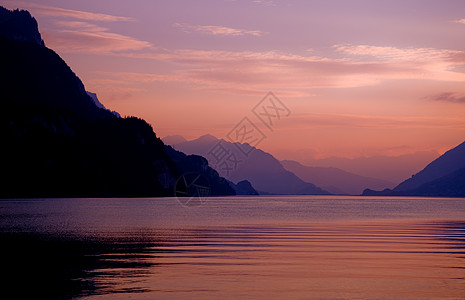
{"x":448,"y":97}
{"x":358,"y":66}
{"x":216,"y":30}
{"x":84,"y":37}
{"x":77,"y":32}
{"x":264,"y":2}
{"x":70,"y":13}
{"x":250,"y":71}
{"x":398,"y":54}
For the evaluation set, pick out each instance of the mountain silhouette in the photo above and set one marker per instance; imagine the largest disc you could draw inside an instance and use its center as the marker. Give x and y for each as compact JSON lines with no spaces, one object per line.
{"x":447,"y":163}
{"x":266,"y":174}
{"x":442,"y":177}
{"x":58,"y":142}
{"x":335,"y":180}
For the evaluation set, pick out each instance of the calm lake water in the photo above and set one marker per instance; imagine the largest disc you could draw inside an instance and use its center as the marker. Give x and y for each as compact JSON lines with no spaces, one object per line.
{"x":299,"y":247}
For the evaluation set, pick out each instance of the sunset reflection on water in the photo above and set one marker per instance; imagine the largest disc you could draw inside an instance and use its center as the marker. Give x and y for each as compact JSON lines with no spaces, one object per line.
{"x":382,"y":258}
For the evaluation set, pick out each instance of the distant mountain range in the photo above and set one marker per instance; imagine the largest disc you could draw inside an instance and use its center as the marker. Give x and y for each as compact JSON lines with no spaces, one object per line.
{"x":60,"y":141}
{"x":445,"y":176}
{"x":260,"y":165}
{"x":335,"y":180}
{"x":266,"y":174}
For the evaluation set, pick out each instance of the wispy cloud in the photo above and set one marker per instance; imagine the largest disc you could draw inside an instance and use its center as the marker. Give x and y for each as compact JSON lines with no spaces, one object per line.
{"x":216,"y":30}
{"x":358,"y":66}
{"x":460,"y":21}
{"x":79,"y":25}
{"x":398,"y":54}
{"x":249,"y":71}
{"x":77,"y":31}
{"x":130,"y":77}
{"x":85,"y":37}
{"x":448,"y":97}
{"x":265,"y":2}
{"x":70,"y":13}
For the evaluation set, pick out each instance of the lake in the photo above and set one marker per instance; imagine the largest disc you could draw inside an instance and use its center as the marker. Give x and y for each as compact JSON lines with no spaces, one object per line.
{"x":264,"y":247}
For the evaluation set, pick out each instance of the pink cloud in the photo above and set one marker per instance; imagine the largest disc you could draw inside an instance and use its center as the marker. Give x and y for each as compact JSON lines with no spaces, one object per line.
{"x":398,"y":54}
{"x":79,"y":34}
{"x":265,"y":2}
{"x":70,"y":13}
{"x":359,"y":66}
{"x":141,"y":77}
{"x":216,"y":30}
{"x":84,"y":37}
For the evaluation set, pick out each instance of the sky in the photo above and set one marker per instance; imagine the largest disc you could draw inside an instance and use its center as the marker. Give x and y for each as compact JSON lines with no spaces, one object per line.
{"x":357,"y":78}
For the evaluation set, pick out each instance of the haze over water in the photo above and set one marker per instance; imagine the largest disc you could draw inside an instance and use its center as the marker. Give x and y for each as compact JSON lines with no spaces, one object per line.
{"x":236,"y":247}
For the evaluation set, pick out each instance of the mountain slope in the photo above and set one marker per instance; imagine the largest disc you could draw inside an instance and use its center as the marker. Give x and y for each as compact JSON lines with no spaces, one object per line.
{"x":447,"y":163}
{"x":335,"y":180}
{"x":261,"y":169}
{"x":442,"y":177}
{"x":451,"y":185}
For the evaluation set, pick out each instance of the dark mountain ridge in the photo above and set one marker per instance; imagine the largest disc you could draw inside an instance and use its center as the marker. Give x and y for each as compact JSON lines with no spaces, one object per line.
{"x":450,"y":161}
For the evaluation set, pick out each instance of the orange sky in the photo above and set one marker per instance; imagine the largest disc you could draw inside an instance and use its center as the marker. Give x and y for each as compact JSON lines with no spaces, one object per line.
{"x":359,"y":77}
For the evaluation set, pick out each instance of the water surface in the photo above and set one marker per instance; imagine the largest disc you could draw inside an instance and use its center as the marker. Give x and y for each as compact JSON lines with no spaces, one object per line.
{"x":321,"y":247}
